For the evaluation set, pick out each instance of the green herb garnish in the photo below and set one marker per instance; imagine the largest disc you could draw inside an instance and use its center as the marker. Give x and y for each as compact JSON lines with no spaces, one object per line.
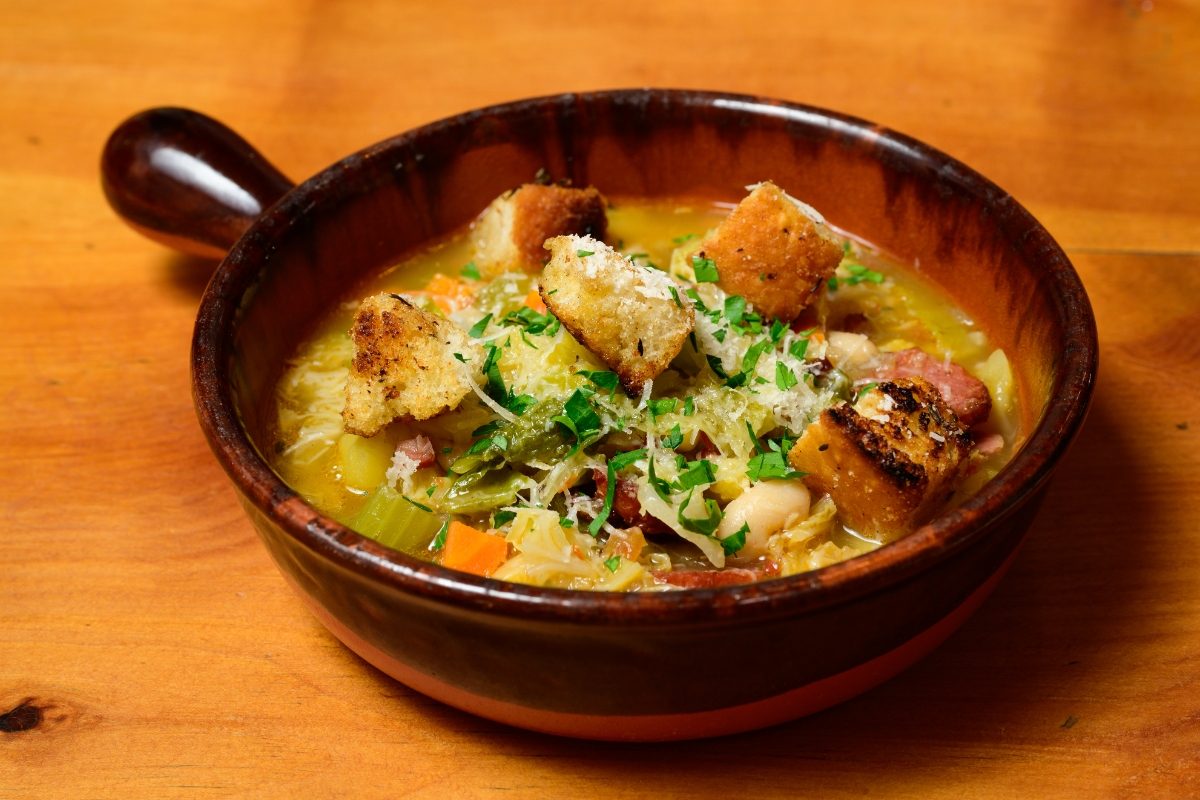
{"x":784,"y":377}
{"x":706,"y":525}
{"x":705,"y":269}
{"x":439,"y":539}
{"x":735,"y":308}
{"x":736,"y":540}
{"x":471,"y":271}
{"x":613,"y":563}
{"x":663,"y":405}
{"x":603,"y":379}
{"x":479,"y":327}
{"x":421,"y":506}
{"x":579,"y":418}
{"x":753,"y":353}
{"x":697,"y":473}
{"x":498,"y":443}
{"x":673,"y":439}
{"x":772,"y":464}
{"x":584,"y":253}
{"x":503,"y":518}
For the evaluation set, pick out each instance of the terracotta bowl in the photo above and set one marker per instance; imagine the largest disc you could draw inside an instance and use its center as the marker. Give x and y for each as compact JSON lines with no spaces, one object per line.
{"x":607,"y":666}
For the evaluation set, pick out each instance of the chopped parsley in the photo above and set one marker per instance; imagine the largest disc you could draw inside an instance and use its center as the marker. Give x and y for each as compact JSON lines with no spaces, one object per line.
{"x":675,"y":295}
{"x":615,"y":465}
{"x":705,"y":269}
{"x":771,"y":464}
{"x":697,"y":473}
{"x":673,"y":439}
{"x":784,"y":377}
{"x":532,"y":321}
{"x":620,"y":462}
{"x":689,"y":406}
{"x":603,"y":379}
{"x":439,"y":539}
{"x":613,"y":563}
{"x":661,"y":487}
{"x":736,"y":540}
{"x":471,"y":271}
{"x":778,"y":328}
{"x":421,"y":506}
{"x":859,"y":274}
{"x":755,"y":351}
{"x":663,"y":405}
{"x":579,"y":418}
{"x":479,"y":327}
{"x":706,"y":525}
{"x":735,"y":308}
{"x":498,"y":443}
{"x":584,"y":253}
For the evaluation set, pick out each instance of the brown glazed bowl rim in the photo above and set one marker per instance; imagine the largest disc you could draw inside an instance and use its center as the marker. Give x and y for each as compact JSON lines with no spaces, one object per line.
{"x":1070,"y":394}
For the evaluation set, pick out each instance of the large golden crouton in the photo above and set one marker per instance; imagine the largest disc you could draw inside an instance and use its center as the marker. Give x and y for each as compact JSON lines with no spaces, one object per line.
{"x":633,"y":317}
{"x":509,"y":235}
{"x":404,"y":364}
{"x":890,"y":461}
{"x":772,"y":250}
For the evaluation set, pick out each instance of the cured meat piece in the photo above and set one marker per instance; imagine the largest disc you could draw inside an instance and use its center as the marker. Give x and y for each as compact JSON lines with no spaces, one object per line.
{"x":709,"y":578}
{"x":419,"y":449}
{"x":626,"y":505}
{"x":966,"y":395}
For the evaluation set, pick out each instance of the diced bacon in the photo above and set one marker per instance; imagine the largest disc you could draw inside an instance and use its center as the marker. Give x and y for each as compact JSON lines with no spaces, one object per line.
{"x":705,"y":447}
{"x":626,"y":505}
{"x":964,"y":393}
{"x":989,"y":445}
{"x":419,"y":449}
{"x":709,"y":578}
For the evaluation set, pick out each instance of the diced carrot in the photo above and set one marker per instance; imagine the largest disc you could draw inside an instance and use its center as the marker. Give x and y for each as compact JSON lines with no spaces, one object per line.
{"x":473,"y":550}
{"x":450,"y":294}
{"x":534,"y":301}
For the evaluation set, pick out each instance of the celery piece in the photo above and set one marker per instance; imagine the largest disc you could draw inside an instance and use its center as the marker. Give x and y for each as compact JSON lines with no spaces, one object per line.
{"x":393,"y":521}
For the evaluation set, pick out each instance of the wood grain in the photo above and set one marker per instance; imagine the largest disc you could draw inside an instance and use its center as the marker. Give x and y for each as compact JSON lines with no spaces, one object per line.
{"x":164,"y":655}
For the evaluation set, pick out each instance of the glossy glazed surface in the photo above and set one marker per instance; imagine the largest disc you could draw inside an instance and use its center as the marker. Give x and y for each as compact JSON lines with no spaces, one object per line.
{"x":373,"y":207}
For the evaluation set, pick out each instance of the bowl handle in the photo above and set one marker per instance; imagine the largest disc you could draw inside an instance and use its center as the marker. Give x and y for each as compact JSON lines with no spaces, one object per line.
{"x":184,"y":179}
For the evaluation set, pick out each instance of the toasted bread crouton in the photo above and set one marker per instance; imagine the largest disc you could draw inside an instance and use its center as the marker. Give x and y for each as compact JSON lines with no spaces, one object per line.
{"x":633,"y":317}
{"x":404,"y":364}
{"x":890,"y":461}
{"x":511,"y":231}
{"x":772,"y":250}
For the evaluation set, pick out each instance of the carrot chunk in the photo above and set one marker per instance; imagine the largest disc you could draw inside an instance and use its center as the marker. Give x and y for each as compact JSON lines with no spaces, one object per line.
{"x":449,"y":294}
{"x":473,"y":550}
{"x":534,"y":301}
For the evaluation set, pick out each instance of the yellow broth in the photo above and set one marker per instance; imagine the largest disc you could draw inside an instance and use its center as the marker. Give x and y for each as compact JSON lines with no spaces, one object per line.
{"x":336,"y":472}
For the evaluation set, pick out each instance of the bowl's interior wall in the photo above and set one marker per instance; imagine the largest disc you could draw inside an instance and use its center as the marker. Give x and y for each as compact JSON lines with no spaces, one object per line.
{"x":372,"y":209}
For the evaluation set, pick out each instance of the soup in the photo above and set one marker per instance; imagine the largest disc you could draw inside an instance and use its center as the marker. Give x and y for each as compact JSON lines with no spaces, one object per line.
{"x":690,"y":423}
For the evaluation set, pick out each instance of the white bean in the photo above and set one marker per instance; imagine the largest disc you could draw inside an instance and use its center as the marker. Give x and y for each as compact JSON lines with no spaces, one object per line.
{"x":764,"y":508}
{"x":852,"y":353}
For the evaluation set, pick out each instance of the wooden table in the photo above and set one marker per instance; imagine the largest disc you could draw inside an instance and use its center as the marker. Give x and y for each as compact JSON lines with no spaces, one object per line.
{"x":152,"y":650}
